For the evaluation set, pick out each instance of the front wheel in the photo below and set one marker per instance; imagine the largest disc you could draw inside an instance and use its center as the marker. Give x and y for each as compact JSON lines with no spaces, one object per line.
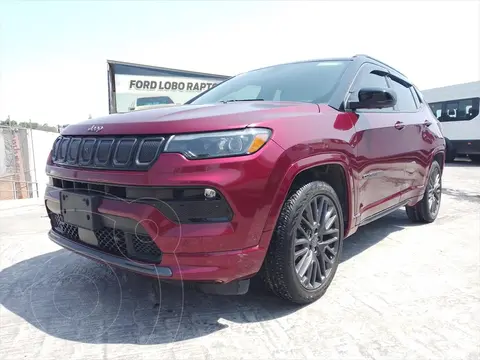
{"x":426,"y":210}
{"x":307,"y":244}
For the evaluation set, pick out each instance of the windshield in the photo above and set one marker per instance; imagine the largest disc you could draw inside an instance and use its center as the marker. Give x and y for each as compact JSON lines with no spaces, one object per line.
{"x":158,"y":100}
{"x":312,"y":81}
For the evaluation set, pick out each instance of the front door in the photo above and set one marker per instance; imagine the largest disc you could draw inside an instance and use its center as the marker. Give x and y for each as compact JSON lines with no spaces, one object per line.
{"x":381,"y":151}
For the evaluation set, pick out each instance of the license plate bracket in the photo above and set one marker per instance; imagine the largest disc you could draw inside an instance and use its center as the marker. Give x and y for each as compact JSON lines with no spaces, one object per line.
{"x":80,"y":210}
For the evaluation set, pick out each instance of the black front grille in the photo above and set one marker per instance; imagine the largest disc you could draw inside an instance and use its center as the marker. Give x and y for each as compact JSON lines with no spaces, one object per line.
{"x":126,"y":153}
{"x":112,"y":241}
{"x":179,"y":204}
{"x":67,"y":230}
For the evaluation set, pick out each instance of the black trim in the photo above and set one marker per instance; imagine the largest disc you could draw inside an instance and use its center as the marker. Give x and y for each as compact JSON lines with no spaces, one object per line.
{"x":133,"y":150}
{"x":466,"y":147}
{"x":113,"y":221}
{"x":121,"y":262}
{"x":383,"y":213}
{"x":179,"y":204}
{"x":236,"y":287}
{"x":91,"y":161}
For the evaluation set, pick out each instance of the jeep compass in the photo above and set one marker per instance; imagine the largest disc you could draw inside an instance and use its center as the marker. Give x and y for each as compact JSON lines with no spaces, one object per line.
{"x":263,"y":175}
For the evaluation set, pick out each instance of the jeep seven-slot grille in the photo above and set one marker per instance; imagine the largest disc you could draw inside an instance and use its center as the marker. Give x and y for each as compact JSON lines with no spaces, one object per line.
{"x":112,"y":241}
{"x":126,"y":153}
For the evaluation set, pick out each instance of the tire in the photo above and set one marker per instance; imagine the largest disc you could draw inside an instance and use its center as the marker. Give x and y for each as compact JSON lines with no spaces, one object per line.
{"x":424,"y":211}
{"x":451,"y":153}
{"x":322,"y":251}
{"x":475,"y":158}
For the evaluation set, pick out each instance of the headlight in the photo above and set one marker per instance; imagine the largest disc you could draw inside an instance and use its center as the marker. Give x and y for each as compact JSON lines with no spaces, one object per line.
{"x":218,"y":144}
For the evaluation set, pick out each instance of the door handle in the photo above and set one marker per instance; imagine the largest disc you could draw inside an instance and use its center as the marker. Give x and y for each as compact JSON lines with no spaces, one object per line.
{"x":427,"y":123}
{"x":399,"y":125}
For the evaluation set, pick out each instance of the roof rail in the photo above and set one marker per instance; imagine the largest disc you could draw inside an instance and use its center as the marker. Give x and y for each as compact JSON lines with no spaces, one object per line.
{"x":381,"y":62}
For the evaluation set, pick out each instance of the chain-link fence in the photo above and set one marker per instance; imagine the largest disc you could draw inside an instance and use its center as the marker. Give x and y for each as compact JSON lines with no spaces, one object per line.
{"x":23,"y":154}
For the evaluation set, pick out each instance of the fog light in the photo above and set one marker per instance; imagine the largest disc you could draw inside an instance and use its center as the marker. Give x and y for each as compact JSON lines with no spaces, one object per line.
{"x":210,"y":193}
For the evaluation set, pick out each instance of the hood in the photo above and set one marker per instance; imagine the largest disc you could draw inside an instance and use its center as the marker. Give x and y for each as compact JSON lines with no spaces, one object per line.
{"x":192,"y":118}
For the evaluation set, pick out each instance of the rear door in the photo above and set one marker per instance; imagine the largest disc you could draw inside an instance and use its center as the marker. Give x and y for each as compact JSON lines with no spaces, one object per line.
{"x":417,"y":136}
{"x":381,"y":150}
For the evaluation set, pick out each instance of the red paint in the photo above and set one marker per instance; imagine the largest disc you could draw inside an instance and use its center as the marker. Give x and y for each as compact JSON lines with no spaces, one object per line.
{"x":255,"y":186}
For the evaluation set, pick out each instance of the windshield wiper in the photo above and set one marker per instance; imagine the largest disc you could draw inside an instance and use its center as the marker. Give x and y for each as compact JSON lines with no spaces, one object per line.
{"x":232,"y":100}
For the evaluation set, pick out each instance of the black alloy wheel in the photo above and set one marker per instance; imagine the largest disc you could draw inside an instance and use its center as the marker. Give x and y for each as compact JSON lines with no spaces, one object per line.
{"x":316,"y":242}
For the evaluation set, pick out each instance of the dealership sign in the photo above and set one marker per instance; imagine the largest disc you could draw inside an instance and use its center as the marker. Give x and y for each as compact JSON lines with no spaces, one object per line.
{"x":138,"y":84}
{"x":129,"y":83}
{"x":134,"y":92}
{"x":136,"y":87}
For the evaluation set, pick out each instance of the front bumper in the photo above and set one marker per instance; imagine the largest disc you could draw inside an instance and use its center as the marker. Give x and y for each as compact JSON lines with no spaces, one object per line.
{"x":221,"y":267}
{"x":138,"y":237}
{"x":219,"y":248}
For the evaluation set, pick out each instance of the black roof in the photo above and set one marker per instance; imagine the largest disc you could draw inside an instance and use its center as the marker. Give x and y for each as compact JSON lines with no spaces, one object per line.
{"x":360,"y":57}
{"x":372,"y":59}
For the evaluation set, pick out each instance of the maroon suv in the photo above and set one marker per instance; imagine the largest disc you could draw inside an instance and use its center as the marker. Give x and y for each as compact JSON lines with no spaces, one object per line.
{"x":266,"y":173}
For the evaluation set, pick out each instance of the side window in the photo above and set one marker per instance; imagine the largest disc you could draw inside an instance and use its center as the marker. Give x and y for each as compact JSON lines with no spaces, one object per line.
{"x":405,"y":100}
{"x":437,"y":109}
{"x":451,"y":109}
{"x":467,"y":109}
{"x":460,"y":110}
{"x":416,"y":96}
{"x":372,"y":79}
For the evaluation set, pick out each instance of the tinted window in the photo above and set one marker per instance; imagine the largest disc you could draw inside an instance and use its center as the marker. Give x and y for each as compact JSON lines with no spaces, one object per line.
{"x":158,"y":100}
{"x":372,"y":80}
{"x":405,"y":100}
{"x":437,"y":109}
{"x":456,"y":110}
{"x":312,"y":81}
{"x":416,"y":96}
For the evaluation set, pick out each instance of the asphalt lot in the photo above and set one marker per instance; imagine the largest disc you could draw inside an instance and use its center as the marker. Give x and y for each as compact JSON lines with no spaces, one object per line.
{"x":402,"y":291}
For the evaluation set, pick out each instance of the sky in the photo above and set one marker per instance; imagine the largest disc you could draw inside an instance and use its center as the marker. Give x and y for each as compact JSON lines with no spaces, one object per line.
{"x":53,"y":53}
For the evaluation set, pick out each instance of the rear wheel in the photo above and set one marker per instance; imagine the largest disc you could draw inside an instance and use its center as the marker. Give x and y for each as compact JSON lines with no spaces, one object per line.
{"x":451,"y":153}
{"x":307,"y":244}
{"x":427,"y":209}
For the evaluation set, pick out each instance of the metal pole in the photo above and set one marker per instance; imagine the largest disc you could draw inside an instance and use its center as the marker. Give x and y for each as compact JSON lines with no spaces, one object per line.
{"x":14,"y":154}
{"x":33,"y":156}
{"x":14,"y":189}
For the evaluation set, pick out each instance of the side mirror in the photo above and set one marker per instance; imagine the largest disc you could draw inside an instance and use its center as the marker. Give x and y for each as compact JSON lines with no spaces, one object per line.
{"x":374,"y":98}
{"x":131,"y":108}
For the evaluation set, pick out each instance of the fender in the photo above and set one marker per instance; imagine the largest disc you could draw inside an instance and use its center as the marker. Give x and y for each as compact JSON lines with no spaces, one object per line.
{"x":305,"y":164}
{"x":438,"y":150}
